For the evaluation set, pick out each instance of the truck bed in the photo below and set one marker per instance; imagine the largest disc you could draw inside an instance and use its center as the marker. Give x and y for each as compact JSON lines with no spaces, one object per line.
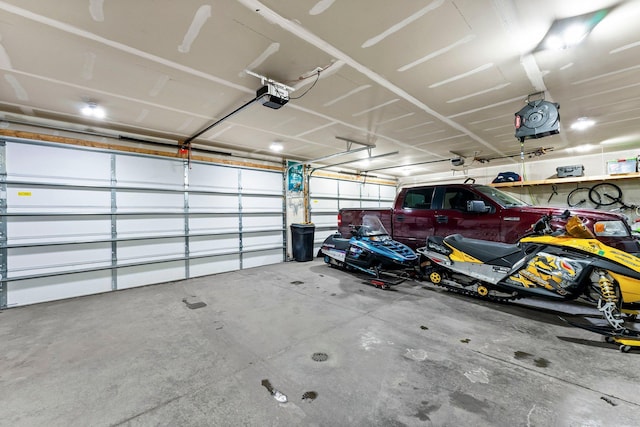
{"x":349,"y":216}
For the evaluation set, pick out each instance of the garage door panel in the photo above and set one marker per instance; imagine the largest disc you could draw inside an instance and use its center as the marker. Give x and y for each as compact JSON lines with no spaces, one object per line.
{"x":57,"y":164}
{"x":257,"y":259}
{"x":28,"y":261}
{"x":51,"y":288}
{"x":149,"y":172}
{"x":214,"y":265}
{"x":214,"y":245}
{"x":42,"y":229}
{"x":149,"y":225}
{"x":150,"y":274}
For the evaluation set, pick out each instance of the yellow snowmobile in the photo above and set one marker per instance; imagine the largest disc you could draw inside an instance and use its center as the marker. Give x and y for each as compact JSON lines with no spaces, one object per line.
{"x":565,"y":263}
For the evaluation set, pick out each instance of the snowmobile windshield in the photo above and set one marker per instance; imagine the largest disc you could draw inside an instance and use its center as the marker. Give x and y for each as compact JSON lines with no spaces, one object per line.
{"x":503,"y":199}
{"x":372,"y":227}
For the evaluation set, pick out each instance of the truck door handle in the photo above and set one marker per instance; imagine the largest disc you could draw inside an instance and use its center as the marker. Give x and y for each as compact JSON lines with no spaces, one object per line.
{"x":400,"y":218}
{"x":442,"y":219}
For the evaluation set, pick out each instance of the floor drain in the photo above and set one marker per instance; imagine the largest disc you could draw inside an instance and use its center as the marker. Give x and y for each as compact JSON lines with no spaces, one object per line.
{"x":309,"y":396}
{"x":320,"y":357}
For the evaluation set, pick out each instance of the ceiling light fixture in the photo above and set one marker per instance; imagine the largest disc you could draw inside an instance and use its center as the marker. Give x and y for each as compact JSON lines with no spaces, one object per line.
{"x":568,"y":32}
{"x":276,"y":146}
{"x":582,"y":123}
{"x":585,"y":148}
{"x":93,"y":110}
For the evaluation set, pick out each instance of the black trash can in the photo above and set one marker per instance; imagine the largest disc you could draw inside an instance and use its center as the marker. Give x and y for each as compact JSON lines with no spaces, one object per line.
{"x":302,"y":241}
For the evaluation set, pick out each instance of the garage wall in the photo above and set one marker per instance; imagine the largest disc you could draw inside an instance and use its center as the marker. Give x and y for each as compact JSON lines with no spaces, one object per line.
{"x":79,"y":221}
{"x":328,"y":195}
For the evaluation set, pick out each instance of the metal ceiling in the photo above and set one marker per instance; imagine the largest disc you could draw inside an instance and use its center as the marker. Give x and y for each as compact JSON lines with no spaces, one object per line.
{"x":429,"y":79}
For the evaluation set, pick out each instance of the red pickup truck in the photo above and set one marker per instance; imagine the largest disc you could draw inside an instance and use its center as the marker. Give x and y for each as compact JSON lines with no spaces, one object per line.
{"x":479,"y":212}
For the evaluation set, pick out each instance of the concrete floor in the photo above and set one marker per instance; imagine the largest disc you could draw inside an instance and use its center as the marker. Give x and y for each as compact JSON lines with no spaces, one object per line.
{"x":412,"y":356}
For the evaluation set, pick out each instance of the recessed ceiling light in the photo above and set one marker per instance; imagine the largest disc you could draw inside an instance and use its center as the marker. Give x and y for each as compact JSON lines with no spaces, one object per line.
{"x":276,"y":146}
{"x":93,"y":110}
{"x":582,"y":123}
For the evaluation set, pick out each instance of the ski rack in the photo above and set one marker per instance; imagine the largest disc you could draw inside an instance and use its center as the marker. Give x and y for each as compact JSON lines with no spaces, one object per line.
{"x":383,"y":279}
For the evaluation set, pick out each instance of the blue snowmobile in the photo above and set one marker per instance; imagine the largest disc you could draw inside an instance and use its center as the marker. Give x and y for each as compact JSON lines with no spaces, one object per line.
{"x":372,"y":251}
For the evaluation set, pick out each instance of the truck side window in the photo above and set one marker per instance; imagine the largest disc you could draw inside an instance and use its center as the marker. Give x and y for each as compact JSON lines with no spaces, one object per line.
{"x":457,"y":198}
{"x":418,"y":198}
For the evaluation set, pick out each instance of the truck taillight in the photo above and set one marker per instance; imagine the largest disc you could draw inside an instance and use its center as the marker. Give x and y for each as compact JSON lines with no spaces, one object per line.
{"x":339,"y":220}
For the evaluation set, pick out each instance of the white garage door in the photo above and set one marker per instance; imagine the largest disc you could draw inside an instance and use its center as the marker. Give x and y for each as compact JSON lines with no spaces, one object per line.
{"x":82,"y":221}
{"x":327,"y":196}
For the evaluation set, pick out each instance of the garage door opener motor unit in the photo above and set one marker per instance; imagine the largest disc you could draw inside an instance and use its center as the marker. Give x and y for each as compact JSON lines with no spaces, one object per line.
{"x":272,"y":95}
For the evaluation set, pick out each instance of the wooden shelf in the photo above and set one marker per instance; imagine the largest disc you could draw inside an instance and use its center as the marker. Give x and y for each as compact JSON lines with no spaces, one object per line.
{"x":569,"y":180}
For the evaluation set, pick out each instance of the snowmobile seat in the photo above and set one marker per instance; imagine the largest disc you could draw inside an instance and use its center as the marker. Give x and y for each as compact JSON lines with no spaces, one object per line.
{"x":338,"y":241}
{"x":489,"y":252}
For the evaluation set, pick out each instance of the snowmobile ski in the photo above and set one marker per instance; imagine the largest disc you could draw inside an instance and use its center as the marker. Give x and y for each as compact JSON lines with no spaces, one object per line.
{"x":625,"y":338}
